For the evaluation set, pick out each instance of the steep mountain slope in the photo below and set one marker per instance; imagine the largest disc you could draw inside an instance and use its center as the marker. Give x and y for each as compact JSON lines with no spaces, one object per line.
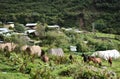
{"x":105,"y":14}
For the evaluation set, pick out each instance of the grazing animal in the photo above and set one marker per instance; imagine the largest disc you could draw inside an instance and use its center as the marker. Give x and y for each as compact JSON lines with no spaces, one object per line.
{"x":110,"y":61}
{"x":85,"y":57}
{"x":44,"y":57}
{"x":95,"y":60}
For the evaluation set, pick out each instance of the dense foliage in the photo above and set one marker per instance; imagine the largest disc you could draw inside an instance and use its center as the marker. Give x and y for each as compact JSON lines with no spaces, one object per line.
{"x":67,"y":13}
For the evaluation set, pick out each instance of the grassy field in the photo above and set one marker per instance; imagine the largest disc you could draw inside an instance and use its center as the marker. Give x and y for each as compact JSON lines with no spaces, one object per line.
{"x":53,"y":70}
{"x":115,"y":67}
{"x":20,"y":66}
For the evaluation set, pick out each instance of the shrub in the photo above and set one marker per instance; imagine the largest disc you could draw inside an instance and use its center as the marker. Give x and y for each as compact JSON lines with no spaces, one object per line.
{"x":56,"y":39}
{"x":19,"y":28}
{"x":103,"y":45}
{"x":117,"y":37}
{"x":82,"y":47}
{"x":80,"y":72}
{"x":43,"y":73}
{"x":59,"y":59}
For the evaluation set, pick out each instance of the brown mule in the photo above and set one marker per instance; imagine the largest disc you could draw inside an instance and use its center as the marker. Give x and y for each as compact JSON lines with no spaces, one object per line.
{"x":45,"y":58}
{"x":95,"y":60}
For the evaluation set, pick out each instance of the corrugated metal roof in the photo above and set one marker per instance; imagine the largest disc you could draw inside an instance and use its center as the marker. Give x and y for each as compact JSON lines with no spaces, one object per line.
{"x":31,"y":24}
{"x":29,"y":31}
{"x":53,"y":26}
{"x":3,"y":30}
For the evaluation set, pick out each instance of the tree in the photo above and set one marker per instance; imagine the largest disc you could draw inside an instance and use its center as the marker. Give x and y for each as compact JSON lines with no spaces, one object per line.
{"x":40,"y":30}
{"x":19,"y":28}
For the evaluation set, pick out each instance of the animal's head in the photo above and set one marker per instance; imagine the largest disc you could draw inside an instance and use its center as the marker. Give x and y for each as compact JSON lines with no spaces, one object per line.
{"x":42,"y":52}
{"x":28,"y":49}
{"x":6,"y":49}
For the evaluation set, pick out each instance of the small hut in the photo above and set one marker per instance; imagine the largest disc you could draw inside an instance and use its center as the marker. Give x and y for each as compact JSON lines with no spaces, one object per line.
{"x":73,"y":48}
{"x":107,"y":53}
{"x":35,"y":49}
{"x":56,"y":51}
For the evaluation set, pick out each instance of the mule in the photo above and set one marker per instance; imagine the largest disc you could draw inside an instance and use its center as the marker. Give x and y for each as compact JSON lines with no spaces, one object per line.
{"x":95,"y":60}
{"x":44,"y":57}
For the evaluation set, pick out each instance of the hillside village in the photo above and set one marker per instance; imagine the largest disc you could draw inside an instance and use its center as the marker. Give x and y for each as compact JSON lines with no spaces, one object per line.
{"x":51,"y":43}
{"x":7,"y":29}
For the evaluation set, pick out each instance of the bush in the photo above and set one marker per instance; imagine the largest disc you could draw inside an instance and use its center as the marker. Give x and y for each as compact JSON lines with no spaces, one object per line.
{"x":59,"y":59}
{"x":80,"y":72}
{"x":104,"y":45}
{"x":117,"y":37}
{"x":82,"y":47}
{"x":43,"y":73}
{"x":19,"y":28}
{"x":97,"y":45}
{"x":56,"y":39}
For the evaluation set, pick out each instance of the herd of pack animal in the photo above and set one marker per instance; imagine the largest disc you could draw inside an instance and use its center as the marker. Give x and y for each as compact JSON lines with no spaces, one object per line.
{"x":31,"y":50}
{"x":96,"y":60}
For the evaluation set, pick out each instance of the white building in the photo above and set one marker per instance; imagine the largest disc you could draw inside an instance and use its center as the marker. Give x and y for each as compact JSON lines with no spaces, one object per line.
{"x":4,"y":30}
{"x":31,"y":25}
{"x":73,"y":48}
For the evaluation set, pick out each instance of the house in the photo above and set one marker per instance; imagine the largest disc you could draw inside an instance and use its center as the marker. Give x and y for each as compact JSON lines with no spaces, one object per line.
{"x":9,"y":25}
{"x":78,"y":31}
{"x":107,"y":53}
{"x":11,"y":46}
{"x":56,"y":51}
{"x":33,"y":50}
{"x":30,"y":31}
{"x":54,"y":27}
{"x":31,"y":25}
{"x":4,"y":30}
{"x":67,"y":29}
{"x":73,"y":48}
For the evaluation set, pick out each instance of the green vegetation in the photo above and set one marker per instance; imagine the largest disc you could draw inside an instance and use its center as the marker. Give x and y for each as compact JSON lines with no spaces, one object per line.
{"x":19,"y":28}
{"x":20,"y":65}
{"x":57,"y":67}
{"x":86,"y":15}
{"x":73,"y":13}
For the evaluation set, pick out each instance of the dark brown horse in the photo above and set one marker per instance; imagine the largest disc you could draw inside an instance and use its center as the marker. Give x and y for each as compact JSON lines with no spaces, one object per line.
{"x":95,"y":60}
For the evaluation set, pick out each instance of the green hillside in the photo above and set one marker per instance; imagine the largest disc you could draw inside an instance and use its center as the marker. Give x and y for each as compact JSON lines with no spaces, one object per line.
{"x":105,"y":14}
